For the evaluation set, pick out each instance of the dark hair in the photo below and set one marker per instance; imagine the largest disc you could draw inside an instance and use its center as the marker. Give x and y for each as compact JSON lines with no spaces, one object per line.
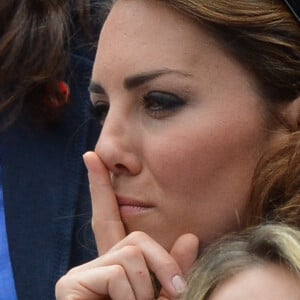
{"x":34,"y":54}
{"x":276,"y":184}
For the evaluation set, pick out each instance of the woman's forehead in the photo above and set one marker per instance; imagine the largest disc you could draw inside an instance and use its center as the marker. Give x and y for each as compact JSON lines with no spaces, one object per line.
{"x":151,"y":34}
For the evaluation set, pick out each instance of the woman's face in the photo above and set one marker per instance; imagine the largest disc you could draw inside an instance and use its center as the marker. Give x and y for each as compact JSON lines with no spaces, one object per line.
{"x":184,"y":129}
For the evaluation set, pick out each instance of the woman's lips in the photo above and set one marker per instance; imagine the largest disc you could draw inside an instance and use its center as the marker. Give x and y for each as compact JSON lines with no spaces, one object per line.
{"x":129,"y":206}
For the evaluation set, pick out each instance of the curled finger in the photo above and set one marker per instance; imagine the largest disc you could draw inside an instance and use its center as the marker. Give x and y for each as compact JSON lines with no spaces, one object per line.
{"x":95,"y":284}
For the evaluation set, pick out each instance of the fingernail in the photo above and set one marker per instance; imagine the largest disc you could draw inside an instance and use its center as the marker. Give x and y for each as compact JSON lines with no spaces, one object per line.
{"x":86,"y":154}
{"x":83,"y":157}
{"x":85,"y":161}
{"x":179,"y":284}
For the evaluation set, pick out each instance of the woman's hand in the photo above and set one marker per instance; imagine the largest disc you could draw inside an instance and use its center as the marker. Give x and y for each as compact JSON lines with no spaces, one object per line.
{"x":123,"y":269}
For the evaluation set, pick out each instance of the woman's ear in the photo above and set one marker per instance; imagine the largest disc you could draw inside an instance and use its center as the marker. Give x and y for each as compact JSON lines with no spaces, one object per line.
{"x":291,"y":114}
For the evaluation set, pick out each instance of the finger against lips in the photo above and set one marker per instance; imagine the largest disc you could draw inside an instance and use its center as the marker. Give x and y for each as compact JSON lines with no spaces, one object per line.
{"x":107,"y":225}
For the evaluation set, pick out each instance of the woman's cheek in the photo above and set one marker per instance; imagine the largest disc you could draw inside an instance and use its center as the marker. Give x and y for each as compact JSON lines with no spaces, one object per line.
{"x":178,"y":162}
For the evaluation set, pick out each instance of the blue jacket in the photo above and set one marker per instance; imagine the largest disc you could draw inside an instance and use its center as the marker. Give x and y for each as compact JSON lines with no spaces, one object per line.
{"x":46,"y":194}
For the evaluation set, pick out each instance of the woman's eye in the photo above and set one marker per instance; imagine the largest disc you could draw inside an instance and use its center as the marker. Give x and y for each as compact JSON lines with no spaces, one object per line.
{"x":100,"y":110}
{"x":160,"y":104}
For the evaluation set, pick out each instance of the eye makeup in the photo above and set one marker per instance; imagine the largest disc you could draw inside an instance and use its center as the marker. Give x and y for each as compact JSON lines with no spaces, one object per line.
{"x":160,"y":104}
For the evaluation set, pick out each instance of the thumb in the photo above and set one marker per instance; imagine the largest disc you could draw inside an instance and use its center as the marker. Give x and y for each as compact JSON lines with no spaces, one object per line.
{"x":185,"y":251}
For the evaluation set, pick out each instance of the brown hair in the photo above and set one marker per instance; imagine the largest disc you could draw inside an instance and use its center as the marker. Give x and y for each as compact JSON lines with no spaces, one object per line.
{"x":264,"y":37}
{"x":276,"y":185}
{"x":34,"y":55}
{"x":276,"y":243}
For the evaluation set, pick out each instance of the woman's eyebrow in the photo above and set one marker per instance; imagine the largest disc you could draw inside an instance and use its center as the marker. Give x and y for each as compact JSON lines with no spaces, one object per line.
{"x":137,"y":80}
{"x":142,"y":78}
{"x":96,"y":88}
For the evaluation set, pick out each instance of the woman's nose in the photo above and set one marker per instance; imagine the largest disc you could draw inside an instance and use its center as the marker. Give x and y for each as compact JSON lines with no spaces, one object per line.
{"x":117,"y":147}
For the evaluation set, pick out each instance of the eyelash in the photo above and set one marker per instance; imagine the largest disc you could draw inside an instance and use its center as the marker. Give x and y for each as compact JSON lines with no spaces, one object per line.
{"x":99,"y":111}
{"x":156,"y":104}
{"x":161,"y":104}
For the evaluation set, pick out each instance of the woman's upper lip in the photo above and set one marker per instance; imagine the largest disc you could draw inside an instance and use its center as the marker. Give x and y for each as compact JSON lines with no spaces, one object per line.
{"x":128,"y":201}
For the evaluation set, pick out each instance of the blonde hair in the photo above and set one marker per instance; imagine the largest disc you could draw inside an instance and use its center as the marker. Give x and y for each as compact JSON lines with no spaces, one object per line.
{"x":233,"y":253}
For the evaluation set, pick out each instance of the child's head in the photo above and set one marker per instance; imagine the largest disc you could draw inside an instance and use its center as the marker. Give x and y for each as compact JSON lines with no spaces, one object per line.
{"x":260,"y":263}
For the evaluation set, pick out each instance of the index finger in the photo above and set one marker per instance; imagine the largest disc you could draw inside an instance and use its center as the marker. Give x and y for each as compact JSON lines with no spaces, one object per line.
{"x":106,"y":221}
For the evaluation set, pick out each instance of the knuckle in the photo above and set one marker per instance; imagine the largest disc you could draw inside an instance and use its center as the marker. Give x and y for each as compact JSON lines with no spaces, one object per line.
{"x":62,"y":285}
{"x":169,"y":266}
{"x":138,"y":235}
{"x":117,"y":272}
{"x":132,"y":251}
{"x":72,"y":271}
{"x":95,"y":222}
{"x":97,"y":226}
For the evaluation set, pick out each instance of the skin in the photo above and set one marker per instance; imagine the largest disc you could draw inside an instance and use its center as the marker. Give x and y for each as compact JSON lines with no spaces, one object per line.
{"x":267,"y":282}
{"x":176,"y":154}
{"x":122,"y":271}
{"x":192,"y":164}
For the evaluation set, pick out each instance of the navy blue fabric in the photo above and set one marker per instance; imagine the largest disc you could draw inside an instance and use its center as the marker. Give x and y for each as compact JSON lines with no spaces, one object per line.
{"x":7,"y":283}
{"x":46,"y":196}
